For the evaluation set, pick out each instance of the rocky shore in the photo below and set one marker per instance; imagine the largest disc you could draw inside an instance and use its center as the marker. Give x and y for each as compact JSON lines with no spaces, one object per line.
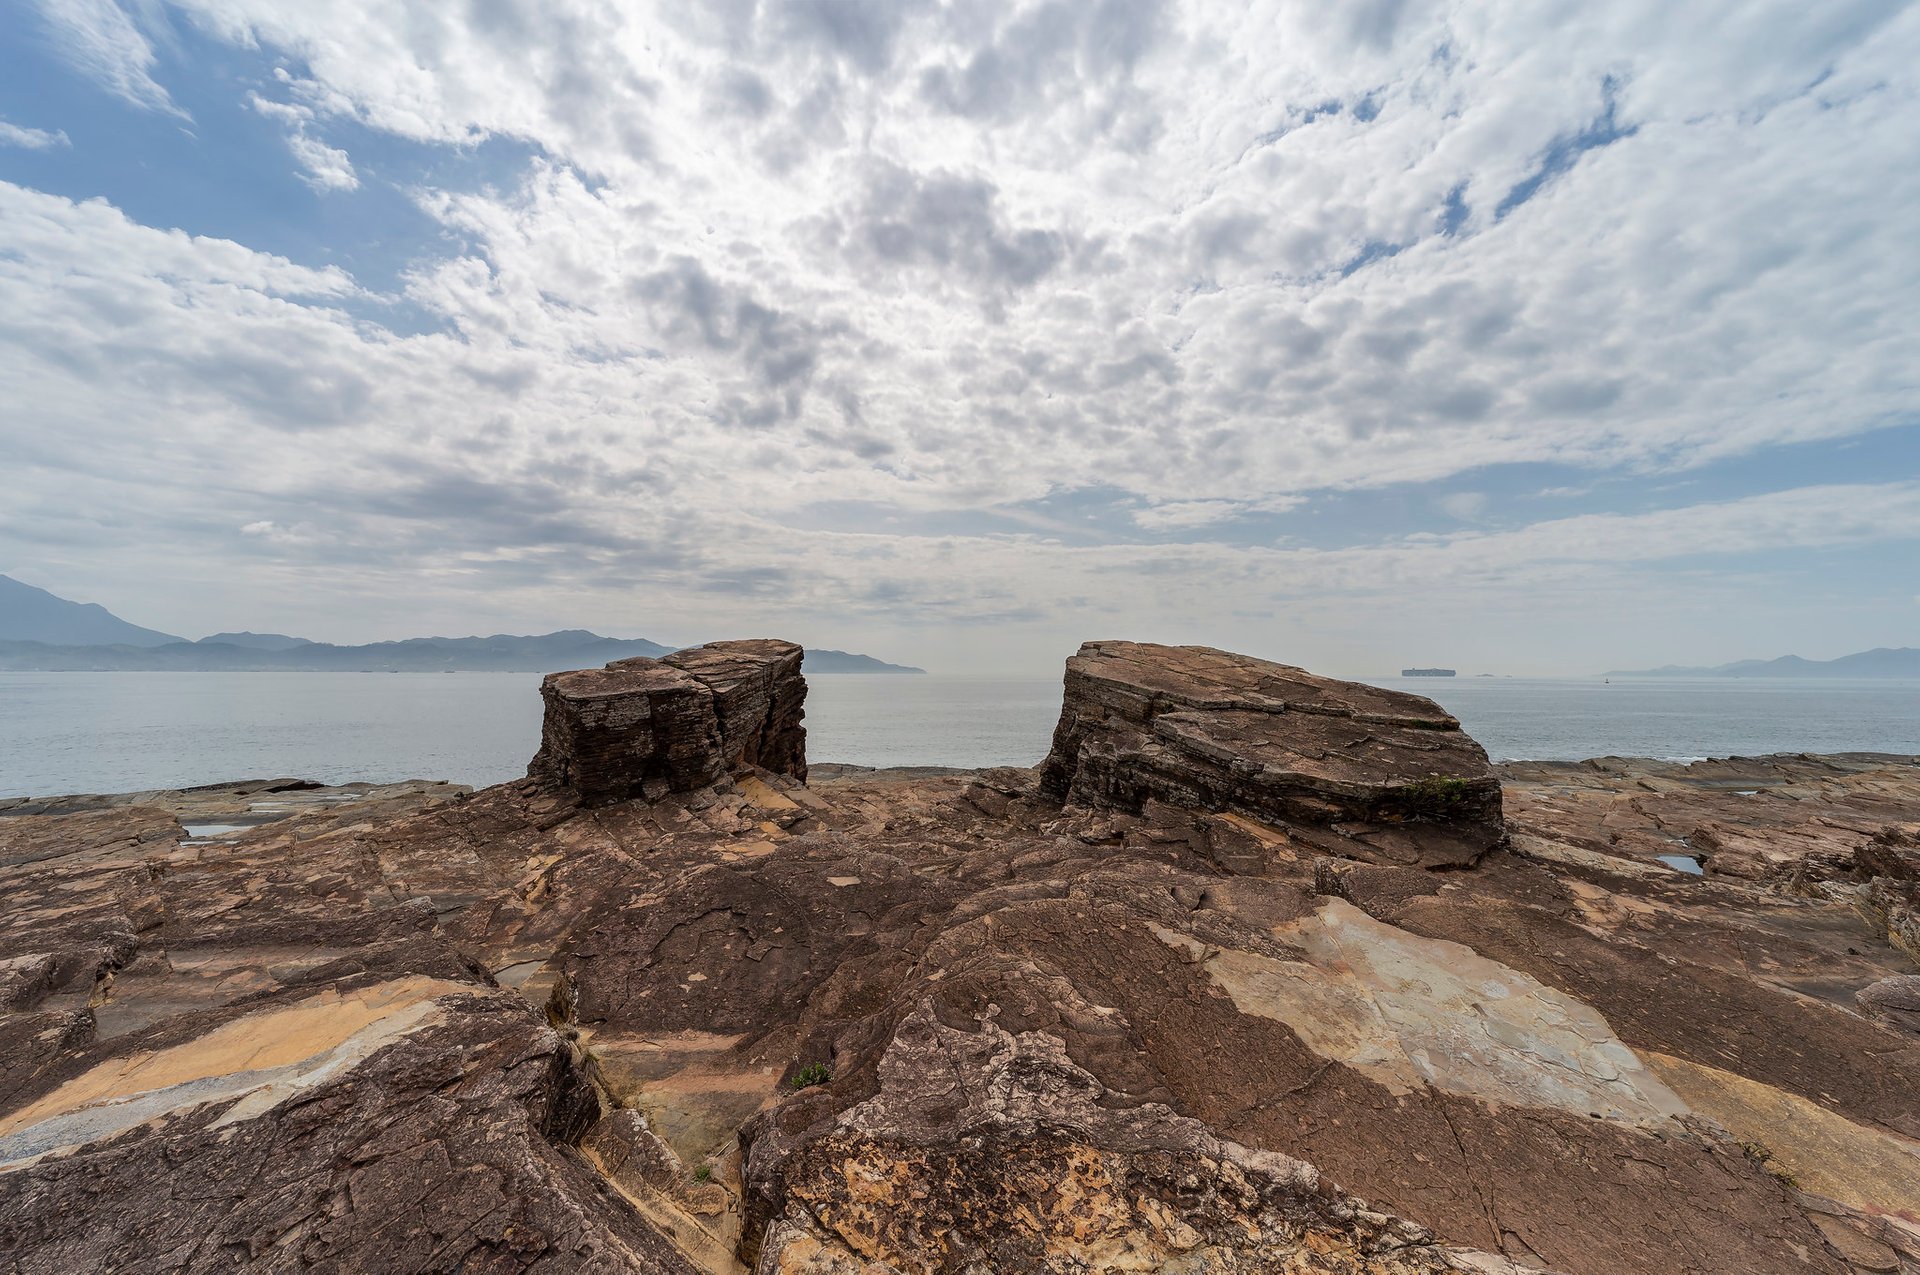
{"x":1257,"y":972}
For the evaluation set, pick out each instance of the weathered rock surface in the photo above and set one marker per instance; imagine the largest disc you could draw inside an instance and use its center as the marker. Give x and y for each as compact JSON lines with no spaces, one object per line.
{"x":646,"y":727}
{"x":1894,"y":1001}
{"x":365,"y":1123}
{"x":1389,"y":777}
{"x":1189,"y":999}
{"x":984,"y":1149}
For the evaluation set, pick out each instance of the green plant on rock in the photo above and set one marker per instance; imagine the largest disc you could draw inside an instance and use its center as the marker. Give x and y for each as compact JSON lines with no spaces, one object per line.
{"x":1434,"y":797}
{"x":703,"y":1173}
{"x":812,"y":1074}
{"x":1439,"y":788}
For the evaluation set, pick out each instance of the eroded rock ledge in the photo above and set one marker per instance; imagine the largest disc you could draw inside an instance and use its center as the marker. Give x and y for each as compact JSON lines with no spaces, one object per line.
{"x":1189,"y":999}
{"x":1389,"y":777}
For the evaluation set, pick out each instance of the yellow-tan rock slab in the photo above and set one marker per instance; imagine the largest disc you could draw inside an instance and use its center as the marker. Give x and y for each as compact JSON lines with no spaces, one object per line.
{"x":259,"y":1059}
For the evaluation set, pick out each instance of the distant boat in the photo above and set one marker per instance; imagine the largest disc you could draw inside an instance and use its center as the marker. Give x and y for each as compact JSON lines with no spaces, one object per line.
{"x":1426,"y":672}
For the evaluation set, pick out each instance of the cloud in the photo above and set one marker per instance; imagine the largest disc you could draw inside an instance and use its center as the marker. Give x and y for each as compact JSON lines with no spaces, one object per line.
{"x":1466,"y":506}
{"x":1821,"y":516}
{"x":575,"y":75}
{"x":299,"y":534}
{"x":781,"y":351}
{"x":1054,"y":57}
{"x":86,"y":240}
{"x":1187,"y":515}
{"x":98,"y":39}
{"x":945,"y":223}
{"x":324,"y":167}
{"x":953,"y":263}
{"x":863,"y":32}
{"x":32,"y":139}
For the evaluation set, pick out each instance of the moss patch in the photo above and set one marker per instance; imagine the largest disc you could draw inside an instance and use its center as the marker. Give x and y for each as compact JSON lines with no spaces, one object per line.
{"x":1436,"y":797}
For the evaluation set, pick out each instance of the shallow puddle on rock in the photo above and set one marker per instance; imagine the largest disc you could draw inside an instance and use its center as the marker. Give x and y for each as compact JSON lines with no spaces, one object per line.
{"x":1683,"y":863}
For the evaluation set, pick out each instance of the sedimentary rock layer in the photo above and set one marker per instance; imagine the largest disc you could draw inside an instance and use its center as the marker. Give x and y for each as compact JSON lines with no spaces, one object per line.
{"x":646,"y":727}
{"x":759,"y":699}
{"x":1391,"y":776}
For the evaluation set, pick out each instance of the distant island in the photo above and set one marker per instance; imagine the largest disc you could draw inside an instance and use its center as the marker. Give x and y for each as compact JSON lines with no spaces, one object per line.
{"x":43,"y":633}
{"x":1882,"y":661}
{"x":819,"y":661}
{"x":1426,"y":672}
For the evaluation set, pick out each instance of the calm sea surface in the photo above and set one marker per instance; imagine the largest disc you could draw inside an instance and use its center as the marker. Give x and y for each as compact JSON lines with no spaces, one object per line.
{"x":110,"y":732}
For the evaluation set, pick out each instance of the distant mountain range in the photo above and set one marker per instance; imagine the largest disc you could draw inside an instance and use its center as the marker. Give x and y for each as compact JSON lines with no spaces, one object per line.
{"x":1882,"y":661}
{"x":40,"y":632}
{"x":28,"y":614}
{"x":545,"y":653}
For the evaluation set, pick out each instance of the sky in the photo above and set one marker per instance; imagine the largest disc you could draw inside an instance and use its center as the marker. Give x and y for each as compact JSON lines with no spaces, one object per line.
{"x":1536,"y":337}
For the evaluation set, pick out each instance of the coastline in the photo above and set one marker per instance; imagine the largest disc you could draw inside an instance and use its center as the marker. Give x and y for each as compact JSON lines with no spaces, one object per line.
{"x":68,"y":731}
{"x":1285,"y":957}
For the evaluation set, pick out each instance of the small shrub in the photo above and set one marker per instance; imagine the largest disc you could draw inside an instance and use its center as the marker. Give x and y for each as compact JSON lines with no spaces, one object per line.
{"x":703,"y":1173}
{"x":812,"y":1074}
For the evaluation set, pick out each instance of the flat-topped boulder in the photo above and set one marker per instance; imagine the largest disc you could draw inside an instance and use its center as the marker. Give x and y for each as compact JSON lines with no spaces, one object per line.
{"x":647,"y":727}
{"x":1388,"y":777}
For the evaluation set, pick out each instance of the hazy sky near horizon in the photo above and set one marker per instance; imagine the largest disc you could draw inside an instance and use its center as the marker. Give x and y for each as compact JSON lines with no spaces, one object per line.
{"x":1518,"y":337}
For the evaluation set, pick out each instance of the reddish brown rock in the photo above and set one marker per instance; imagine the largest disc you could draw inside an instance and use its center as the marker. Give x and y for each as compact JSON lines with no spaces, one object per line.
{"x":645,"y":727}
{"x":1894,"y":1001}
{"x":379,"y":1121}
{"x":759,"y":699}
{"x":1389,"y":776}
{"x":992,"y":1151}
{"x":1765,"y":820}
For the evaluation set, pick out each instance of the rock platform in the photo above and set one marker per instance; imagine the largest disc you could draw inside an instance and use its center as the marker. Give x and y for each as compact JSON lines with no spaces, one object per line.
{"x":1257,"y":972}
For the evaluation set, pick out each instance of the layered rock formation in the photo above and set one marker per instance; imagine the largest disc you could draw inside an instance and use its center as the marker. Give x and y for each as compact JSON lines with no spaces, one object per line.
{"x":1390,"y":777}
{"x":646,"y":727}
{"x":1186,"y":999}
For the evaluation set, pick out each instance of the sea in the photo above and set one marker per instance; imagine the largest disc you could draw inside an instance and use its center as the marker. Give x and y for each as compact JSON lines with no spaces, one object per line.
{"x":121,"y":732}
